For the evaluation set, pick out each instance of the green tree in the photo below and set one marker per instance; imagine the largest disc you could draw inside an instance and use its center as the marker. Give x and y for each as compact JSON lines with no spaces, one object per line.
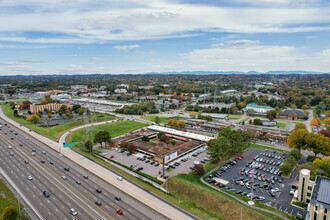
{"x":257,"y":121}
{"x":291,"y":160}
{"x":89,"y":145}
{"x":297,"y":139}
{"x":271,"y":114}
{"x":81,"y":110}
{"x":286,"y":168}
{"x":157,"y":120}
{"x":102,"y":137}
{"x":62,"y":110}
{"x":295,"y":153}
{"x":9,"y":213}
{"x":218,"y":148}
{"x":75,"y":108}
{"x":145,"y":138}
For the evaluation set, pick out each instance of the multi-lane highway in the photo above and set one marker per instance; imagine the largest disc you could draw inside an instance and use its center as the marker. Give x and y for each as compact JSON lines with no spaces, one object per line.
{"x":21,"y":155}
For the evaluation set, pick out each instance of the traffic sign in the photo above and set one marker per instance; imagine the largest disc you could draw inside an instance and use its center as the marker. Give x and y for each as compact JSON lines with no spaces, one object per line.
{"x":69,"y":145}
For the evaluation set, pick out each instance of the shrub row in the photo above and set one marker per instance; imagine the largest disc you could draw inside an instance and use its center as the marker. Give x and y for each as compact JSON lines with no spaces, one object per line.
{"x":290,"y":163}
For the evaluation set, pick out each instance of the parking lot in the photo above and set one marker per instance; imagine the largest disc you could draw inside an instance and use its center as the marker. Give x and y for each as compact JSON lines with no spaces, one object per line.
{"x":150,"y":167}
{"x":265,"y":184}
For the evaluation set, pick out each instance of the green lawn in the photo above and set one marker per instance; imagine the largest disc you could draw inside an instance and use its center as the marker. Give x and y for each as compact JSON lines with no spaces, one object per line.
{"x":261,"y":147}
{"x":161,"y":118}
{"x":7,"y":198}
{"x":210,"y":194}
{"x":58,"y":130}
{"x":234,"y":117}
{"x":114,"y":129}
{"x":281,"y":125}
{"x":316,"y":116}
{"x":245,"y":119}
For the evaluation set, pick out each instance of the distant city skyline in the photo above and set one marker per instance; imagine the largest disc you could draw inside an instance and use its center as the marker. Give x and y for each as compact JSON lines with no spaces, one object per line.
{"x":122,"y":37}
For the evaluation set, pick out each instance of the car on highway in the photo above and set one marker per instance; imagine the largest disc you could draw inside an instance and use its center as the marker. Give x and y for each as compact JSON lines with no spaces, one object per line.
{"x":78,"y":182}
{"x":42,"y":161}
{"x":117,"y":198}
{"x":98,"y":191}
{"x":63,"y":177}
{"x":43,"y":152}
{"x":73,"y":212}
{"x":98,"y":203}
{"x":33,"y":154}
{"x":11,"y":154}
{"x":66,"y":168}
{"x":119,"y":211}
{"x":10,"y":147}
{"x":46,"y":194}
{"x":34,"y":150}
{"x":26,"y":162}
{"x":85,"y":176}
{"x":30,"y":177}
{"x":51,"y":162}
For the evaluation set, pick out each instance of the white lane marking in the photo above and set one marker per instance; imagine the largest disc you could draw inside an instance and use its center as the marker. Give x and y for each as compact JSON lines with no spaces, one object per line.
{"x":49,"y":213}
{"x":41,"y":204}
{"x":56,"y":210}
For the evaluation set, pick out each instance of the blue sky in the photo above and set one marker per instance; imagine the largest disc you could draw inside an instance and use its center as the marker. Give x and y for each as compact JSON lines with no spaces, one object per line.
{"x":138,"y":36}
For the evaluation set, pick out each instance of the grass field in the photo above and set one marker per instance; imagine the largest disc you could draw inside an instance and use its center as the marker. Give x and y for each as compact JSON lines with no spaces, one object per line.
{"x":245,"y":119}
{"x":161,"y":118}
{"x":261,"y":147}
{"x":8,"y":199}
{"x":234,"y":117}
{"x":209,"y":194}
{"x":114,"y":129}
{"x":281,"y":125}
{"x":58,"y":130}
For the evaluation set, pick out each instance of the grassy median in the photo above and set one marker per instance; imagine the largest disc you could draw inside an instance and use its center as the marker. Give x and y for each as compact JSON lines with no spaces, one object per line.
{"x":8,"y":198}
{"x":55,"y":132}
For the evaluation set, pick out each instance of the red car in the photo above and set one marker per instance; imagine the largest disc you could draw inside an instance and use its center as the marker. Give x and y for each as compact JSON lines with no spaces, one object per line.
{"x":119,"y":211}
{"x":242,"y":173}
{"x":262,"y":176}
{"x":217,"y":184}
{"x":254,"y":197}
{"x":112,"y":157}
{"x":238,"y":158}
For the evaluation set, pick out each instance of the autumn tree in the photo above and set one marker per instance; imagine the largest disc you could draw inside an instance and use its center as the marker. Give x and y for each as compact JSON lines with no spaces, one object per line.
{"x":33,"y":118}
{"x":124,"y":145}
{"x":26,"y":104}
{"x":170,"y":122}
{"x":181,"y":124}
{"x":147,"y":93}
{"x":318,"y":143}
{"x":193,"y":114}
{"x":300,"y":126}
{"x":131,"y":148}
{"x":297,"y":139}
{"x":9,"y":213}
{"x":323,"y":164}
{"x":199,"y":169}
{"x":304,"y":107}
{"x":316,"y":122}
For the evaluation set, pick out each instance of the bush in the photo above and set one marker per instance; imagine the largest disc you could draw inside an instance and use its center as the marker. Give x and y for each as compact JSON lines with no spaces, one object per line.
{"x":9,"y":213}
{"x":199,"y":169}
{"x":310,"y":158}
{"x":145,"y":138}
{"x":296,"y":154}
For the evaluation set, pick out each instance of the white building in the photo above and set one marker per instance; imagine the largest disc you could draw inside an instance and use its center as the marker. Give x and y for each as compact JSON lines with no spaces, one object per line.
{"x":123,"y":86}
{"x":227,"y":92}
{"x":121,"y":91}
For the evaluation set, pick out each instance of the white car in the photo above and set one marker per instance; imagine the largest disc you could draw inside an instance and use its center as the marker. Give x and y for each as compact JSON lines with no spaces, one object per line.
{"x":275,"y":190}
{"x":119,"y":178}
{"x":73,"y":212}
{"x":64,"y":177}
{"x":10,"y":147}
{"x":30,"y":177}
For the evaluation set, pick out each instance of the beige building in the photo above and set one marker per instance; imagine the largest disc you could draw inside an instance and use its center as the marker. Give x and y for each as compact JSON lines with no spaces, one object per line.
{"x":305,"y":186}
{"x":35,"y":108}
{"x":319,"y":204}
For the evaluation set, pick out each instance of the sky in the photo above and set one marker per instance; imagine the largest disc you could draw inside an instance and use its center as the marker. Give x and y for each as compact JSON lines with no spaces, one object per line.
{"x":139,"y":36}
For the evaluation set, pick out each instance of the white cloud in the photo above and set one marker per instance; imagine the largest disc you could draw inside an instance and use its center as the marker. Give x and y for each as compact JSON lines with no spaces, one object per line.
{"x":127,"y":47}
{"x":87,"y":21}
{"x":245,"y":55}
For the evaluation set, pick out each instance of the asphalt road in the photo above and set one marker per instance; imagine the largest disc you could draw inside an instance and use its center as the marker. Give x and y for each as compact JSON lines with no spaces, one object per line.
{"x":64,"y":194}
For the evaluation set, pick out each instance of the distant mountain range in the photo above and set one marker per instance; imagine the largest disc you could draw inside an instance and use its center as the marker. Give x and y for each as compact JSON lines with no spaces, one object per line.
{"x":237,"y":72}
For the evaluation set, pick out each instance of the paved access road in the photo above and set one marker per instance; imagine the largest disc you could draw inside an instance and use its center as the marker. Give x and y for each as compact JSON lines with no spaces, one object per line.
{"x":64,"y":194}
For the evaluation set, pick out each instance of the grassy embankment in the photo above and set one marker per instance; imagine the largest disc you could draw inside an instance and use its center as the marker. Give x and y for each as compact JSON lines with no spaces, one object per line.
{"x":161,"y":118}
{"x":234,"y":117}
{"x":55,"y":132}
{"x":8,"y":198}
{"x":115,"y":129}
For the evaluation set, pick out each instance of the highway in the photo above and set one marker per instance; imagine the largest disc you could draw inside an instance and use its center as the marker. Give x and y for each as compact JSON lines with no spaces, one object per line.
{"x":64,"y":194}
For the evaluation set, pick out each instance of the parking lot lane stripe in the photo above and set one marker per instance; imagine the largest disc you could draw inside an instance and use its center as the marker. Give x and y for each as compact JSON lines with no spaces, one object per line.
{"x":286,"y":209}
{"x":291,"y":211}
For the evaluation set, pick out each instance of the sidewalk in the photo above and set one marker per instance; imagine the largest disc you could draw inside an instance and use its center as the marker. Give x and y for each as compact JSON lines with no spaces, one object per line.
{"x":156,"y":203}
